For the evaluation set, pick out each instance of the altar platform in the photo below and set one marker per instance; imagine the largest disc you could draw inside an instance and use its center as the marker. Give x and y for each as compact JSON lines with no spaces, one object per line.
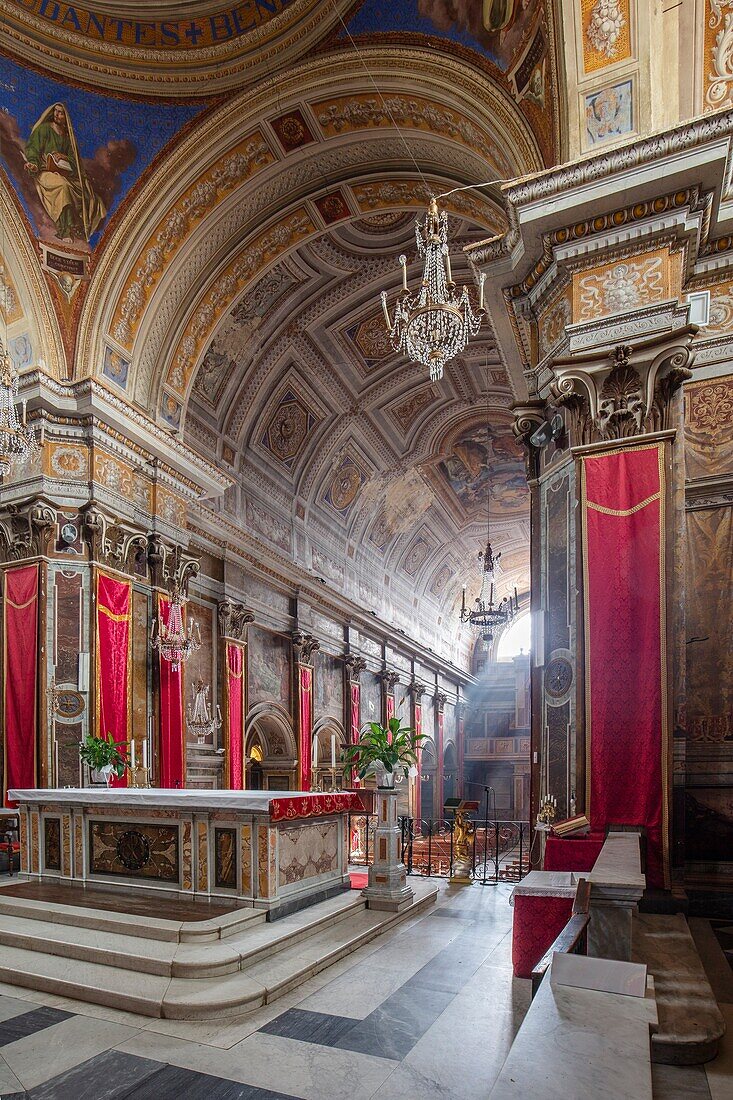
{"x":275,"y":853}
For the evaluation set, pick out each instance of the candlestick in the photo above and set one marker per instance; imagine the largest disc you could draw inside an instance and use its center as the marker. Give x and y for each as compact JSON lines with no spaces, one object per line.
{"x":333,"y":750}
{"x":314,"y":754}
{"x":132,"y":754}
{"x":145,"y":754}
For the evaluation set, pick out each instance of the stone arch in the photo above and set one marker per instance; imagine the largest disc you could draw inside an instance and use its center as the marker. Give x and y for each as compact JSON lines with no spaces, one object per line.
{"x":170,"y":268}
{"x":27,"y":308}
{"x":271,"y":725}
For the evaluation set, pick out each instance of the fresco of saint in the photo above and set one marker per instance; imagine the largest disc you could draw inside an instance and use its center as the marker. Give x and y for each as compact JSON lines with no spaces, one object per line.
{"x":52,"y":159}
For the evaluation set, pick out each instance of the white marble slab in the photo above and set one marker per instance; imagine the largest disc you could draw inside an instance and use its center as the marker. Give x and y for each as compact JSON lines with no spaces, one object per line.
{"x":153,"y":797}
{"x":546,"y":884}
{"x":579,"y":1043}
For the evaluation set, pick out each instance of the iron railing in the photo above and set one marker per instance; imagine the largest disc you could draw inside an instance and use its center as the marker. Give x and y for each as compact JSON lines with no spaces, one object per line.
{"x":499,"y":850}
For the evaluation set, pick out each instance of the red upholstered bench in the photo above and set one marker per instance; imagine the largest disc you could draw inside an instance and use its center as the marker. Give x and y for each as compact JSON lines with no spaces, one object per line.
{"x":572,"y":853}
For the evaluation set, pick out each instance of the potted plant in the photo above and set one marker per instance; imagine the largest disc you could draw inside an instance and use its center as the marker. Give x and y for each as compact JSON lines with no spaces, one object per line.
{"x":386,"y":750}
{"x":103,"y":755}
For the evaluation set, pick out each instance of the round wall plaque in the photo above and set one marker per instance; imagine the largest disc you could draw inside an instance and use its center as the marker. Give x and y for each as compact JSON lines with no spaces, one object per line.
{"x":558,"y":677}
{"x":133,"y":849}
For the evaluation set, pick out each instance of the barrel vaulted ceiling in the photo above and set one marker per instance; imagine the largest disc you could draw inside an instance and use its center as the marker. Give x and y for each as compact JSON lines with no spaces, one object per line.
{"x":233,"y":291}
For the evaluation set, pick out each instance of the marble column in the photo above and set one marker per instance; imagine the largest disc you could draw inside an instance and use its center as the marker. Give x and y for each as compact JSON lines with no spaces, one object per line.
{"x":387,"y":887}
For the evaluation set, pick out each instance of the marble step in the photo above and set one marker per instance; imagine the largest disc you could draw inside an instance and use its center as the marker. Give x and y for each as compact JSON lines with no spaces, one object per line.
{"x":184,"y":960}
{"x":150,"y":928}
{"x":209,"y":995}
{"x":690,"y":1022}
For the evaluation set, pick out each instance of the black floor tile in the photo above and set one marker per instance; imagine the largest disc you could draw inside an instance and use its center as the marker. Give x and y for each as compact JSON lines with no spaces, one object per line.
{"x":175,"y":1083}
{"x":392,"y":1030}
{"x":110,"y":1076}
{"x":310,"y":1027}
{"x":28,"y":1023}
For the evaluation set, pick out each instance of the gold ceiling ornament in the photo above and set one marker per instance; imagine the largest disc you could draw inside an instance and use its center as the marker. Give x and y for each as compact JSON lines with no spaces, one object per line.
{"x":433,"y":325}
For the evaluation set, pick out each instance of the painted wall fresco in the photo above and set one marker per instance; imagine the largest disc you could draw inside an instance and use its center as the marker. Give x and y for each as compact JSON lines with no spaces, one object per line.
{"x":709,"y":427}
{"x":710,"y":626}
{"x":609,"y":112}
{"x":497,"y":29}
{"x":482,"y":457}
{"x":371,"y":697}
{"x":329,"y":687}
{"x":73,"y":154}
{"x":269,"y":667}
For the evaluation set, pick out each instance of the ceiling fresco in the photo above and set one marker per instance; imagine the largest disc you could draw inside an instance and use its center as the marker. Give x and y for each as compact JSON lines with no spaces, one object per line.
{"x":73,"y":155}
{"x":486,"y":459}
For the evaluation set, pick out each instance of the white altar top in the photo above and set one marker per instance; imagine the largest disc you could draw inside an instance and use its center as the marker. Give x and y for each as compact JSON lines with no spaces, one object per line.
{"x":185,"y":799}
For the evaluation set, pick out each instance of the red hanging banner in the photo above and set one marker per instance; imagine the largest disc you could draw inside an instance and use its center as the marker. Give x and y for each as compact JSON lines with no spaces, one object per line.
{"x":418,"y":778}
{"x":354,"y":723}
{"x":114,"y":666}
{"x":305,"y":710}
{"x":622,"y":494}
{"x":235,"y":715}
{"x":390,"y":707}
{"x":172,"y":753}
{"x":20,"y":677}
{"x":439,"y":799}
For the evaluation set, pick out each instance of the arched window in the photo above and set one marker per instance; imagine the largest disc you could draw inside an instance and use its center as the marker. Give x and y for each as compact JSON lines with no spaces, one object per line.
{"x":517,"y":639}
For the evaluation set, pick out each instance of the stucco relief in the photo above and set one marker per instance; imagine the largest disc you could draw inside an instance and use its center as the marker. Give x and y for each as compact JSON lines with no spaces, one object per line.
{"x":606,"y":31}
{"x":620,"y":287}
{"x":718,"y":54}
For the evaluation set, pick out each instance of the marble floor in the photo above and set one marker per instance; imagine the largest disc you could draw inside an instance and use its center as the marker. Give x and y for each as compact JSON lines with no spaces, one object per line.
{"x":426,"y":1012}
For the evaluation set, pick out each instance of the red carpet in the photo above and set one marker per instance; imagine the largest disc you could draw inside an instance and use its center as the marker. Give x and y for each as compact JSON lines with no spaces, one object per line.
{"x":359,"y":880}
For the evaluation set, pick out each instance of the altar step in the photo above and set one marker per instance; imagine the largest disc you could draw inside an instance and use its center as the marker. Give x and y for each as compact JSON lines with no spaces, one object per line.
{"x":690,"y":1023}
{"x":229,"y":976}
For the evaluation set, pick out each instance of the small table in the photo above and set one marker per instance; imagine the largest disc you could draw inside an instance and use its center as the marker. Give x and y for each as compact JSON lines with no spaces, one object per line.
{"x":543,"y":905}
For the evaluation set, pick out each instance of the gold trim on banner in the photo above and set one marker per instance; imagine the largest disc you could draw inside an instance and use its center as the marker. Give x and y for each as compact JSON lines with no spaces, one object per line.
{"x":97,"y":671}
{"x":587,"y":505}
{"x":623,"y":511}
{"x":21,"y":606}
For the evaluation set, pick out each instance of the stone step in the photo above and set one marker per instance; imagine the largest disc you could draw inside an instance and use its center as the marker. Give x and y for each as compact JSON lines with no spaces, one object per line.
{"x":192,"y":981}
{"x":192,"y":960}
{"x":123,"y":924}
{"x":690,"y":1022}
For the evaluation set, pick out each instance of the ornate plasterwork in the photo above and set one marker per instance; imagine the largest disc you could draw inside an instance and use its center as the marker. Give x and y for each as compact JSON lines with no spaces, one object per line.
{"x":718,"y":54}
{"x":237,"y":166}
{"x":347,"y":114}
{"x":621,"y":286}
{"x":606,"y":31}
{"x":139,"y":60}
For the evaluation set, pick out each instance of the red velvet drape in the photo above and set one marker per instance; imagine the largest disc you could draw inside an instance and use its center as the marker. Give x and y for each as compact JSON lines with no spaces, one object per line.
{"x":439,"y":795}
{"x":114,"y":668}
{"x":390,"y":706}
{"x":20,"y":677}
{"x":235,"y":714}
{"x":623,"y":534}
{"x":418,"y":780}
{"x":305,"y":710}
{"x":172,"y":748}
{"x":354,"y":725}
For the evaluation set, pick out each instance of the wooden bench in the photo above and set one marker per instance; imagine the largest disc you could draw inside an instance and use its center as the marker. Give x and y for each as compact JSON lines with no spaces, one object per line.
{"x":574,"y":937}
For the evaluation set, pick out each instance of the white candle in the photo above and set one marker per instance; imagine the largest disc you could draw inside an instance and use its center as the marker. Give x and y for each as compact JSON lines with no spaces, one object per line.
{"x":333,"y":750}
{"x":314,"y":753}
{"x":132,"y":754}
{"x":56,"y":762}
{"x":145,"y":754}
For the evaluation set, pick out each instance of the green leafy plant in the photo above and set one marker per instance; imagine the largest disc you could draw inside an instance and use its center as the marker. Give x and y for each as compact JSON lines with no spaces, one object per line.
{"x":103,"y":752}
{"x":390,"y":748}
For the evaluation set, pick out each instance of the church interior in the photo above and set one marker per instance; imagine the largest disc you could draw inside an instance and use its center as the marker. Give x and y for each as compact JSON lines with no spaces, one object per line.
{"x":366,"y":549}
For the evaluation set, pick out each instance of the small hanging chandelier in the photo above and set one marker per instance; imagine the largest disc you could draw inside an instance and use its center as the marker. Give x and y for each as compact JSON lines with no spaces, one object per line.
{"x":485,"y":617}
{"x":433,"y":325}
{"x":17,"y":440}
{"x":199,"y":717}
{"x":174,"y":643}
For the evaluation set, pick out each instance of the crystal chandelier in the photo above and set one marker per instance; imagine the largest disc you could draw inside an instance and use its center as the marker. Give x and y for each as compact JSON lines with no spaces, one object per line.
{"x":485,"y":616}
{"x":433,"y":325}
{"x":17,"y":440}
{"x":199,"y":717}
{"x":174,"y":643}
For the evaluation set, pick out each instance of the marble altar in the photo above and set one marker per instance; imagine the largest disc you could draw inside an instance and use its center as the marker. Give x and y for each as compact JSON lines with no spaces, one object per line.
{"x":276,"y":853}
